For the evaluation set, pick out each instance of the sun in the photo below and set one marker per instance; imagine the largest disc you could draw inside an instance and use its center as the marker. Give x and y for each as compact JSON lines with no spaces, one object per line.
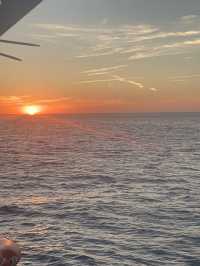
{"x":32,"y":109}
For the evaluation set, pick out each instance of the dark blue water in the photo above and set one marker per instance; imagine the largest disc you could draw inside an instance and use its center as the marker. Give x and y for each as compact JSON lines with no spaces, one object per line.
{"x":102,"y":189}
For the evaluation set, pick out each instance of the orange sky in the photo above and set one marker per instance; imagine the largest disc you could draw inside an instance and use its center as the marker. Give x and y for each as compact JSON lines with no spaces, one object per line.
{"x":130,"y":61}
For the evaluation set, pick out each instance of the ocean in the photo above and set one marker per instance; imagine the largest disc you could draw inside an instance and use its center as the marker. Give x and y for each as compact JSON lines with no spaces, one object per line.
{"x":104,"y":189}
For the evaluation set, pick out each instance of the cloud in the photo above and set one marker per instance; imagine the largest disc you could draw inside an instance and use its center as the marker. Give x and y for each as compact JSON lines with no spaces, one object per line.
{"x":188,"y":76}
{"x":97,"y":74}
{"x":104,"y":21}
{"x":166,"y":49}
{"x":69,"y":105}
{"x":114,"y":78}
{"x":69,"y":35}
{"x":16,"y":100}
{"x":183,"y":78}
{"x":96,"y":81}
{"x":125,"y":42}
{"x":43,"y":36}
{"x":129,"y":29}
{"x":153,"y":89}
{"x":95,"y":54}
{"x":195,"y":42}
{"x":98,"y":41}
{"x":28,"y":100}
{"x":111,"y":51}
{"x":163,"y":35}
{"x":50,"y":101}
{"x":131,"y":82}
{"x":143,"y":55}
{"x":189,"y":19}
{"x":103,"y":70}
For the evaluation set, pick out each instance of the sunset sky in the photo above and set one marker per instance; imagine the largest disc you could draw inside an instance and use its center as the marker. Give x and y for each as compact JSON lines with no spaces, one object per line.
{"x":105,"y":56}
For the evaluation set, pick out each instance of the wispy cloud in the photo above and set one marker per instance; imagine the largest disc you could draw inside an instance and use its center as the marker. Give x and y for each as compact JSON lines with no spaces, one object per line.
{"x":110,"y":77}
{"x":16,"y":100}
{"x":29,"y":100}
{"x":125,"y":43}
{"x":166,"y":49}
{"x":129,"y":29}
{"x":117,"y":78}
{"x":183,"y":78}
{"x":189,"y":19}
{"x":53,"y":100}
{"x":153,"y":89}
{"x":65,"y":104}
{"x":103,"y":70}
{"x":164,"y":35}
{"x":129,"y":41}
{"x":131,"y":82}
{"x":195,"y":42}
{"x":110,"y":51}
{"x":96,"y":81}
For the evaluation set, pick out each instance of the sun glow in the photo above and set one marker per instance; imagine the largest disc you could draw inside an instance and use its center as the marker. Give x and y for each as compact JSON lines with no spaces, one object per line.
{"x":32,"y":109}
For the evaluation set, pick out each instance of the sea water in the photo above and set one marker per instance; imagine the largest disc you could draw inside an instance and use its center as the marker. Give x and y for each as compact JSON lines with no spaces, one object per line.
{"x":109,"y":189}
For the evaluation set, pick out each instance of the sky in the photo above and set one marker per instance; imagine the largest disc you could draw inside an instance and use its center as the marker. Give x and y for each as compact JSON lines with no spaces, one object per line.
{"x":100,"y":56}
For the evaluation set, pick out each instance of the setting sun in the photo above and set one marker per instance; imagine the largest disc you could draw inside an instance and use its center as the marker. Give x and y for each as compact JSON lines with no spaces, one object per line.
{"x":32,"y":109}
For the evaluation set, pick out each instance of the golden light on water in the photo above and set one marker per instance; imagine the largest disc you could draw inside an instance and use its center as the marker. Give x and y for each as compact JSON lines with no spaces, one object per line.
{"x":32,"y":109}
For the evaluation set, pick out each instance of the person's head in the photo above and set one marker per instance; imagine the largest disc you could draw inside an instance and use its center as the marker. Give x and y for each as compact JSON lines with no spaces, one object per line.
{"x":9,"y":253}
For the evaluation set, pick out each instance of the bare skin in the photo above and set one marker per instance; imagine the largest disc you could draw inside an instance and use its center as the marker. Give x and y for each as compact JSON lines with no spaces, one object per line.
{"x":9,"y":253}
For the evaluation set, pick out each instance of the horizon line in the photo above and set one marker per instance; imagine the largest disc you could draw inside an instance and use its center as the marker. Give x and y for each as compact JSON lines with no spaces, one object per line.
{"x":103,"y":113}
